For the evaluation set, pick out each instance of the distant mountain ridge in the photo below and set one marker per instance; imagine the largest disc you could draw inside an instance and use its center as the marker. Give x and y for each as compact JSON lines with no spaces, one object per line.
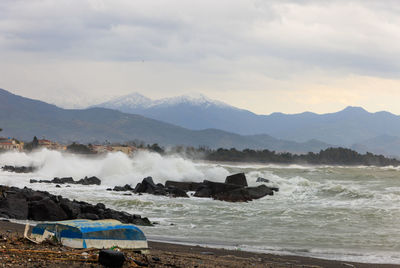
{"x":23,"y":118}
{"x":136,"y":100}
{"x":348,"y":127}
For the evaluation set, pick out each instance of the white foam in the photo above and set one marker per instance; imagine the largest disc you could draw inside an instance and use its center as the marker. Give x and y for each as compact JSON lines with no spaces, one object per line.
{"x":114,"y":168}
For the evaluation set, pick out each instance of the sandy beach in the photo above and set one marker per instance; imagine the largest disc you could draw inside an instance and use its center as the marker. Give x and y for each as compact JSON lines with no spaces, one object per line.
{"x":19,"y":252}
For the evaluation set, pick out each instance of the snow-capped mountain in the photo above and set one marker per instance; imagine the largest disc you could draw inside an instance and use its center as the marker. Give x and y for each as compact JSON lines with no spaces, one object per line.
{"x":138,"y":101}
{"x":350,"y":126}
{"x":192,"y":111}
{"x":134,"y":100}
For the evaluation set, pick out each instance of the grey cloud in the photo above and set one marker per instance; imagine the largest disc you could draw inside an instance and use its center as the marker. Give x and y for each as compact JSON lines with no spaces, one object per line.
{"x":184,"y":33}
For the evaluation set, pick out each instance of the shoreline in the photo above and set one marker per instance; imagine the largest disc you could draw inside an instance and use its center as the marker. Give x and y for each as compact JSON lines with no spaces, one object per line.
{"x":179,"y":255}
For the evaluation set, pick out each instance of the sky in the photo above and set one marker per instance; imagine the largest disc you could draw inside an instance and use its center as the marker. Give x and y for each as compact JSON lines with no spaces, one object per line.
{"x":265,"y":56}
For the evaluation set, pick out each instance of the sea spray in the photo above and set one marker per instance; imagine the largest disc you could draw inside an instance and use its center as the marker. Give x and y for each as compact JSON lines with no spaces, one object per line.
{"x":114,"y":168}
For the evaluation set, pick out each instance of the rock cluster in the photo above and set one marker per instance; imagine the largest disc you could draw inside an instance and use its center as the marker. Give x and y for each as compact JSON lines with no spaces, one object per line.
{"x":21,"y":169}
{"x":235,"y":189}
{"x":27,"y":204}
{"x":148,"y":186}
{"x":69,"y":180}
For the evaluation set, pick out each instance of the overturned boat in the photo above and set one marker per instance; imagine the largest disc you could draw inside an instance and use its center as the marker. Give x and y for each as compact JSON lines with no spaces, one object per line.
{"x":91,"y":234}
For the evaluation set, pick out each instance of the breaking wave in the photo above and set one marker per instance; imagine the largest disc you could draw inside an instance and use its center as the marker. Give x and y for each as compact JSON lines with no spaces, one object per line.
{"x":114,"y":168}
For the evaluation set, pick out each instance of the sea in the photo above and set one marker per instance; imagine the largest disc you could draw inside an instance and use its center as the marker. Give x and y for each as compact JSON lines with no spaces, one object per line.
{"x":331,"y":212}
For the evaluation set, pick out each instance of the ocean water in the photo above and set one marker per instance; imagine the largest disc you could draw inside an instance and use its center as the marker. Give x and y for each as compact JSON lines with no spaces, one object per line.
{"x":345,"y":213}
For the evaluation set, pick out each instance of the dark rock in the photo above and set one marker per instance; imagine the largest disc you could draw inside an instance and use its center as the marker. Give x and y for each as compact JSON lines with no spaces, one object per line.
{"x":72,"y":209}
{"x":244,"y":194}
{"x":46,"y":210}
{"x":14,"y":206}
{"x":160,"y":190}
{"x":275,"y":189}
{"x":16,"y":169}
{"x":89,"y":181}
{"x":58,"y":186}
{"x":186,"y":186}
{"x":203,"y":191}
{"x":148,"y":181}
{"x":43,"y":206}
{"x":35,"y":196}
{"x":140,"y":188}
{"x":69,"y":180}
{"x":147,"y":186}
{"x":259,"y":179}
{"x":119,"y":189}
{"x":88,"y":208}
{"x":89,"y":216}
{"x":219,"y":187}
{"x":109,"y":189}
{"x":63,"y":180}
{"x":127,"y":187}
{"x":111,"y":258}
{"x":236,"y":195}
{"x":237,"y":179}
{"x":259,"y":191}
{"x":176,"y":192}
{"x":101,"y":206}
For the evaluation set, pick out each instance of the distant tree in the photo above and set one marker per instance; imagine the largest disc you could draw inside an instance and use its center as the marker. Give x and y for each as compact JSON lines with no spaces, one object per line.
{"x":35,"y":143}
{"x":79,"y":148}
{"x":155,"y":148}
{"x":29,"y":146}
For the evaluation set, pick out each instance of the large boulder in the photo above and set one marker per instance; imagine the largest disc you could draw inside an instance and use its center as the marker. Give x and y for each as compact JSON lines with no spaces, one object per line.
{"x":21,"y":169}
{"x":186,"y":186}
{"x":14,"y":205}
{"x":89,"y":181}
{"x":175,"y":192}
{"x":237,"y":195}
{"x":259,"y":191}
{"x":72,"y":209}
{"x":124,"y":188}
{"x":85,"y":181}
{"x":260,"y":179}
{"x":211,"y":189}
{"x":46,"y":210}
{"x":219,"y":187}
{"x":244,"y":194}
{"x":203,"y":191}
{"x":43,"y":206}
{"x":63,"y":180}
{"x":148,"y":186}
{"x":237,"y":179}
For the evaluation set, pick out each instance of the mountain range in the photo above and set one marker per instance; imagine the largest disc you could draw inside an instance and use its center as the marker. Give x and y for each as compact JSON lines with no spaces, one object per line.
{"x":351,"y":127}
{"x":24,"y":118}
{"x":199,"y":121}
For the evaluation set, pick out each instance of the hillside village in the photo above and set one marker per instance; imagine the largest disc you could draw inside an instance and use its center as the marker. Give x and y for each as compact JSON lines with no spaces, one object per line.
{"x":12,"y":144}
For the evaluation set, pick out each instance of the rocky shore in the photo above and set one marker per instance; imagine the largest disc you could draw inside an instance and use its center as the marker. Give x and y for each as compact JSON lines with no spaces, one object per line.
{"x":15,"y":251}
{"x":27,"y":204}
{"x":21,"y":169}
{"x":234,"y":189}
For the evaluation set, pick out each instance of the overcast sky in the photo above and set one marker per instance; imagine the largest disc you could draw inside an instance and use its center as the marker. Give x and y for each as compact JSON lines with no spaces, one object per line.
{"x":266,"y":56}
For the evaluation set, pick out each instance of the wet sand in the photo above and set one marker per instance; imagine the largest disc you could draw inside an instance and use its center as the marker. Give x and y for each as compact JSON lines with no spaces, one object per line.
{"x":15,"y":251}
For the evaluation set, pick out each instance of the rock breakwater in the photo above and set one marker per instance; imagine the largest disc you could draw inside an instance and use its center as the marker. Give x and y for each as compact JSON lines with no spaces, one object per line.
{"x":27,"y":204}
